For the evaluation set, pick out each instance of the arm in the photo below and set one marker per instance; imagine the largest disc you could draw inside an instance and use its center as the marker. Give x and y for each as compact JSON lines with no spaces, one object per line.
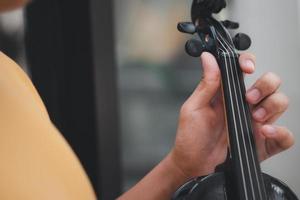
{"x":160,"y":183}
{"x":201,"y":142}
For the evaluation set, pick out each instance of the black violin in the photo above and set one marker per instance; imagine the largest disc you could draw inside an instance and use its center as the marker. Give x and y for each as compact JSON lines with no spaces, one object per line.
{"x":240,"y":177}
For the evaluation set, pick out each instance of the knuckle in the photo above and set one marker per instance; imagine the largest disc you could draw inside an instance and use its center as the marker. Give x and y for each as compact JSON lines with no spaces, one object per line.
{"x":214,"y":78}
{"x":289,"y":138}
{"x":284,"y":100}
{"x":270,"y":76}
{"x":184,"y":109}
{"x":276,"y":103}
{"x":203,"y":84}
{"x":270,"y":81}
{"x":209,"y":82}
{"x":280,"y":102}
{"x":292,"y":139}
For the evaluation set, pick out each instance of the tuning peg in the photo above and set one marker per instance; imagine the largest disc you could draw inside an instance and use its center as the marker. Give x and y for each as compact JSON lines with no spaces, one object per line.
{"x":242,"y":41}
{"x":195,"y":47}
{"x":230,"y":24}
{"x":186,"y":27}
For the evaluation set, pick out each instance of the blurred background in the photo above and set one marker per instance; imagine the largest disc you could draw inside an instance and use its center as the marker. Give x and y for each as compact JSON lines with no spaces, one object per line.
{"x":114,"y":75}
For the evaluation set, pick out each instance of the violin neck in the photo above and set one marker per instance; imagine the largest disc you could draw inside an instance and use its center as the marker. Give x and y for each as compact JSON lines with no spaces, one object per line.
{"x":245,"y":167}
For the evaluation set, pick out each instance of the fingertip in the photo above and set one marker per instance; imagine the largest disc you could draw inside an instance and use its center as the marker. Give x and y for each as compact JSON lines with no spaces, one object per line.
{"x":210,"y":66}
{"x":207,"y":58}
{"x":205,"y":54}
{"x":248,"y":68}
{"x":287,"y":136}
{"x":269,"y":131}
{"x":247,"y":63}
{"x":281,"y":135}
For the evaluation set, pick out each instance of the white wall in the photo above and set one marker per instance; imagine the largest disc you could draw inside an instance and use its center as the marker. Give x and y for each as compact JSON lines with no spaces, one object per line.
{"x":274,"y":28}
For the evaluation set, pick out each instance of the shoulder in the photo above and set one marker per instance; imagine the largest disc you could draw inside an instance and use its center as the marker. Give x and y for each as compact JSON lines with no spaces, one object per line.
{"x":14,"y":82}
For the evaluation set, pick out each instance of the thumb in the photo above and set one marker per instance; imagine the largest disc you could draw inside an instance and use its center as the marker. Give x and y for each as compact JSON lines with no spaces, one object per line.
{"x":209,"y":85}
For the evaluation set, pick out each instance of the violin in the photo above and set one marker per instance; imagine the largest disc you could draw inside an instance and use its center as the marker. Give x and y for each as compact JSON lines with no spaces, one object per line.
{"x":240,"y":177}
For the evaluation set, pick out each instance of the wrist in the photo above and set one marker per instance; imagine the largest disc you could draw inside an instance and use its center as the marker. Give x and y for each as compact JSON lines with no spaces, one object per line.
{"x":173,"y":167}
{"x":188,"y":166}
{"x":175,"y":175}
{"x":160,"y":183}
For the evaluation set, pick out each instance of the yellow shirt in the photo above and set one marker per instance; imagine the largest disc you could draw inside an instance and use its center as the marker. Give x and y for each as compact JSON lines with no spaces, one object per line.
{"x":35,"y":160}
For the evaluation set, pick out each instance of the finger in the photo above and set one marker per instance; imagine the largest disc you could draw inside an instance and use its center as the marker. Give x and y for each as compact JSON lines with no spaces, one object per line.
{"x":271,"y":108}
{"x":218,"y":105}
{"x":217,"y":101}
{"x":209,"y":85}
{"x":264,"y":86}
{"x":247,"y":62}
{"x":274,"y":118}
{"x":278,"y":139}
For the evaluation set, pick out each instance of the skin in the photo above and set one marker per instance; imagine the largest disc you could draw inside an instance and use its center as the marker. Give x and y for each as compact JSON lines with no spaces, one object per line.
{"x":201,"y":141}
{"x":7,"y":5}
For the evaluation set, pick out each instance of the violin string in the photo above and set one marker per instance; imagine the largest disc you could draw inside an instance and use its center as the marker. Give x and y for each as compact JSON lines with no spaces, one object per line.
{"x":235,"y":125}
{"x":247,"y":121}
{"x":240,"y":122}
{"x":240,"y":119}
{"x":248,"y":128}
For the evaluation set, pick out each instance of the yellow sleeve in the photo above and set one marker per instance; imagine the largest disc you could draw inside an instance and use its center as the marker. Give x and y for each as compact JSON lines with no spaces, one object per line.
{"x":35,"y":160}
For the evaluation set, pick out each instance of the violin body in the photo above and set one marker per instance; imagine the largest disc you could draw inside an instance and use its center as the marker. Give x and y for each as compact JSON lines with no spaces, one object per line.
{"x":217,"y":187}
{"x":240,"y":177}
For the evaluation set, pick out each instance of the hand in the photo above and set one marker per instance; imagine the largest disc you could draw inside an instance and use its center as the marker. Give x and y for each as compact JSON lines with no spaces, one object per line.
{"x":201,"y":142}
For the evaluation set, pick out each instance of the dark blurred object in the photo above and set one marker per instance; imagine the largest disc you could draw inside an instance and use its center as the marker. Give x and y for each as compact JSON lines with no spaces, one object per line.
{"x":242,"y":41}
{"x":71,"y":58}
{"x":206,"y":7}
{"x":10,"y":44}
{"x":230,"y":24}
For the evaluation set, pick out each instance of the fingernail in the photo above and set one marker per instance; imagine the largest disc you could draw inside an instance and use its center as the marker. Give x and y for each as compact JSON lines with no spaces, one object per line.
{"x":259,"y":114}
{"x":270,"y":130}
{"x":253,"y":95}
{"x":249,"y":65}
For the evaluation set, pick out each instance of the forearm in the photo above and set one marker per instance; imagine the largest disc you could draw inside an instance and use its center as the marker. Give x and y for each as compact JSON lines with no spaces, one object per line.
{"x":159,"y":184}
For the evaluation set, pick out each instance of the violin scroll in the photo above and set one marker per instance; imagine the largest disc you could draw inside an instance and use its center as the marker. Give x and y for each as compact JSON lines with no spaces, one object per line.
{"x":213,"y":35}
